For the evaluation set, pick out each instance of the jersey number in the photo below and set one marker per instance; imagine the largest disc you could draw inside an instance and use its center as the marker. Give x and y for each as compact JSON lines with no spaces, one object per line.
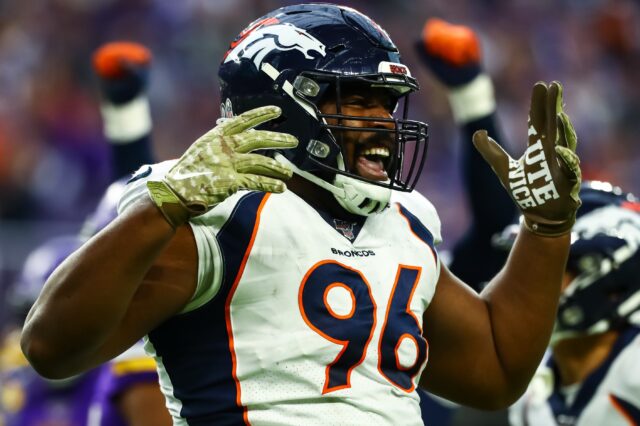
{"x":353,"y":330}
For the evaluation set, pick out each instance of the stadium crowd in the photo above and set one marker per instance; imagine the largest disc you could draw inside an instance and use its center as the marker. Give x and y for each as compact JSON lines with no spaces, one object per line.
{"x":53,"y":159}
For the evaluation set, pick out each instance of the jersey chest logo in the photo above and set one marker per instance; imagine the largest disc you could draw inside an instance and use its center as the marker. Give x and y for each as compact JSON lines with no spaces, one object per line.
{"x":346,"y":228}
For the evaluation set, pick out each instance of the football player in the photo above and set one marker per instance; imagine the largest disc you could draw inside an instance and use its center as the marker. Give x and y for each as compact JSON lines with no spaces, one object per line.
{"x":27,"y":399}
{"x":590,"y":375}
{"x":127,"y":391}
{"x":312,"y":302}
{"x":453,"y":55}
{"x":122,"y":69}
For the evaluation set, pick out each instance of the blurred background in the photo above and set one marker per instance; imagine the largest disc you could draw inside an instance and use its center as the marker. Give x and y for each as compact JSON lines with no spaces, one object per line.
{"x":54,"y":161}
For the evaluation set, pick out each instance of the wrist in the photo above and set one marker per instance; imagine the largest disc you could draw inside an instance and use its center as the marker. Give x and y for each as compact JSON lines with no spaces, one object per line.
{"x":170,"y":205}
{"x":473,"y":100}
{"x":547,"y":228}
{"x":127,"y":122}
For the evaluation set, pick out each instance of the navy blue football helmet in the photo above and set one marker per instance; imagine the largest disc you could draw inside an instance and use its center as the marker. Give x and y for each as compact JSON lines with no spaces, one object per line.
{"x":299,"y":56}
{"x":604,"y":261}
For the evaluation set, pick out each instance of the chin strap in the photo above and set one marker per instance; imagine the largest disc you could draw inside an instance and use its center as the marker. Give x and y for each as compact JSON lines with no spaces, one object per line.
{"x":354,"y":195}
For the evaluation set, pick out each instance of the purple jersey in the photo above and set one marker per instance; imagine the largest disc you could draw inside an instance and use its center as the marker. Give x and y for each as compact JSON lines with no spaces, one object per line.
{"x":131,"y":368}
{"x":30,"y":400}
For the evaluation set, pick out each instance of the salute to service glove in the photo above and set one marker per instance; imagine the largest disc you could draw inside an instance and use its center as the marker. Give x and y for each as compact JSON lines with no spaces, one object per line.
{"x":219,"y":163}
{"x":545,"y":181}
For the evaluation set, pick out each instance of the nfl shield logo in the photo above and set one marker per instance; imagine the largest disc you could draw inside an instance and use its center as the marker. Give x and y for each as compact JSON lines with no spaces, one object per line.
{"x":346,"y":228}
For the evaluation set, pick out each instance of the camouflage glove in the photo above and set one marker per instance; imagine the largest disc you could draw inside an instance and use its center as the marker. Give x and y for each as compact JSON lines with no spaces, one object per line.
{"x":219,"y":163}
{"x":545,"y":181}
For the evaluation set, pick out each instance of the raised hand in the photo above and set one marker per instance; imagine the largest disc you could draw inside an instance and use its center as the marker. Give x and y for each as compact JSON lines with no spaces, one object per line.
{"x":545,"y":181}
{"x":452,"y":52}
{"x":123,"y":70}
{"x":220,"y":163}
{"x":453,"y":55}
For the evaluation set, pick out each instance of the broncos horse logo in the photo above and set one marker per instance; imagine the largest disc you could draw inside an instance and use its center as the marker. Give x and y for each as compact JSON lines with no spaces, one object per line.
{"x":265,"y":37}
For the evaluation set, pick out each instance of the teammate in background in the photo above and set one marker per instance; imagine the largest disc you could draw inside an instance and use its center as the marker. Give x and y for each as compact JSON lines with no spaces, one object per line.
{"x":591,"y":375}
{"x":127,"y":392}
{"x":453,"y":55}
{"x":587,"y":377}
{"x":122,"y":69}
{"x":124,"y":391}
{"x":307,"y":303}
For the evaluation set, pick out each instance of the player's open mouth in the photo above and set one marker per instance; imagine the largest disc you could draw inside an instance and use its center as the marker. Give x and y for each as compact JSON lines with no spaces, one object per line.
{"x":370,"y":163}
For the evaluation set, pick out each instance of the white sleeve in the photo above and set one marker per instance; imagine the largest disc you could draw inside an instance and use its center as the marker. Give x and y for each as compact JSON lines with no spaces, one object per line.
{"x":210,"y":261}
{"x":136,"y":187}
{"x":204,"y":230}
{"x":134,"y":352}
{"x":516,"y":412}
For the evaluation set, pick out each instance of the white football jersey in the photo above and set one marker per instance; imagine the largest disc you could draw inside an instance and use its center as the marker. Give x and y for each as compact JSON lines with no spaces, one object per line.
{"x":297,"y":320}
{"x":609,"y":396}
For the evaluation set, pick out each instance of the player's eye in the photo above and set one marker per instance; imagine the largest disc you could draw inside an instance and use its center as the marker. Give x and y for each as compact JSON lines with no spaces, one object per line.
{"x":355,"y":101}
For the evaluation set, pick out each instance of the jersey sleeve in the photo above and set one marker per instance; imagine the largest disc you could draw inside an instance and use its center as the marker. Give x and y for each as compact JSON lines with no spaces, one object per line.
{"x":128,"y":369}
{"x":204,"y":231}
{"x":136,"y":187}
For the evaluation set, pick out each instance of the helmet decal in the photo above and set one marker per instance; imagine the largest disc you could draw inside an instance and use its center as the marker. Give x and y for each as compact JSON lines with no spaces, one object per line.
{"x":270,"y":35}
{"x":393,"y":68}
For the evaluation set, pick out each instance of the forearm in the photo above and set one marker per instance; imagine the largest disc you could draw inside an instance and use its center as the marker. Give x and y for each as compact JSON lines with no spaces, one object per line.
{"x":129,"y":156}
{"x":522,"y":302}
{"x":87,"y":297}
{"x":123,"y":69}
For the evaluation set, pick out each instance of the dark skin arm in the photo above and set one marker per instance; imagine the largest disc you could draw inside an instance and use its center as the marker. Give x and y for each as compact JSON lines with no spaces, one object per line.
{"x":121,"y":284}
{"x":143,"y":405}
{"x":483,"y":349}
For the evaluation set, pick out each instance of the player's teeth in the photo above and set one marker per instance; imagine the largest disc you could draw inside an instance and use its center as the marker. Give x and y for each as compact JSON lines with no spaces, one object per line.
{"x":381,"y":152}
